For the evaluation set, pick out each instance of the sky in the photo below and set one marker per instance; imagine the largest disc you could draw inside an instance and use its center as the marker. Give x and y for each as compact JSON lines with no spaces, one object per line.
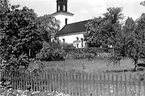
{"x":84,"y":9}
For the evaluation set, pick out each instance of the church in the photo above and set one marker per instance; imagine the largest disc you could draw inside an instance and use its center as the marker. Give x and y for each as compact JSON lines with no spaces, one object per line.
{"x":70,"y":32}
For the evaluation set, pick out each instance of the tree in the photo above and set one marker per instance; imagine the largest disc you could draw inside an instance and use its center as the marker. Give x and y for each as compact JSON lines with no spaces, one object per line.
{"x":131,"y":42}
{"x":49,"y":27}
{"x":142,"y":3}
{"x":127,"y":40}
{"x":20,"y":36}
{"x":93,"y":34}
{"x":102,"y":31}
{"x":137,"y":46}
{"x":4,"y":5}
{"x":123,"y":39}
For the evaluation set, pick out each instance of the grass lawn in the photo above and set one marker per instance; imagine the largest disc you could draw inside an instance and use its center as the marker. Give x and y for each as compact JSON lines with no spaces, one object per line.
{"x":89,"y":66}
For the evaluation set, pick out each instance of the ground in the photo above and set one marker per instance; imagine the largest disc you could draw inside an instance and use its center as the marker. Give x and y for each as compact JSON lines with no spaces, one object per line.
{"x":90,"y":65}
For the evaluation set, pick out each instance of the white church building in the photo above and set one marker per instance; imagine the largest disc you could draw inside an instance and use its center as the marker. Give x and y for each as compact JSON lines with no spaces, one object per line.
{"x":70,"y":32}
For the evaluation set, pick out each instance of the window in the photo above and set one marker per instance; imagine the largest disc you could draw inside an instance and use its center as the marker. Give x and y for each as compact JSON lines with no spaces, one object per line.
{"x":77,"y":38}
{"x":66,"y":21}
{"x":77,"y":42}
{"x":63,"y":40}
{"x":63,"y":7}
{"x":58,"y":8}
{"x":82,"y":42}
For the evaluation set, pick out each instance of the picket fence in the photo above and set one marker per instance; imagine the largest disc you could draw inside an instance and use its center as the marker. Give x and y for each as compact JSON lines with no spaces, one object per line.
{"x":80,"y":83}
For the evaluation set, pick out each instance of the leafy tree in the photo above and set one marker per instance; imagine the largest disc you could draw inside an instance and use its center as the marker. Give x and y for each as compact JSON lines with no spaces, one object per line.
{"x":131,"y":42}
{"x":142,"y":3}
{"x":93,"y":34}
{"x":123,"y":39}
{"x":49,"y":26}
{"x":137,"y":48}
{"x":127,"y":40}
{"x":129,"y":26}
{"x":20,"y":35}
{"x":103,"y":30}
{"x":4,"y":5}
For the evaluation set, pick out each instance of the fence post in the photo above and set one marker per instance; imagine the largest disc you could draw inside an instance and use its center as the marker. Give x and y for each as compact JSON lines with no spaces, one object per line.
{"x":117,"y":86}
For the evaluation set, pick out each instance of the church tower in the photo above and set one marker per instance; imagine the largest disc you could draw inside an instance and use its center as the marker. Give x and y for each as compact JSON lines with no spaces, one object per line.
{"x":62,"y":13}
{"x":62,"y":5}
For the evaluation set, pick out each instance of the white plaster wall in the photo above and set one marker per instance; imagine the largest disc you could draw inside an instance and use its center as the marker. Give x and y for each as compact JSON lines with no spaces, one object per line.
{"x":62,"y":19}
{"x":70,"y":38}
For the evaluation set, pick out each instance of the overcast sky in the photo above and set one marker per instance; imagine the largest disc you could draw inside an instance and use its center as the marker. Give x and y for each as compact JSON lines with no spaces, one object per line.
{"x":84,"y":9}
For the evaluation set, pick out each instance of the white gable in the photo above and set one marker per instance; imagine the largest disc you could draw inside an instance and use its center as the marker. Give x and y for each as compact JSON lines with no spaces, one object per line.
{"x":62,"y":18}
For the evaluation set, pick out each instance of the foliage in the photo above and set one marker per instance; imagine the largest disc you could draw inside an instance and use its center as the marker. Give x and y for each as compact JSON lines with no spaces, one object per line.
{"x":49,"y":26}
{"x":142,"y":3}
{"x":130,"y":43}
{"x":20,"y":38}
{"x":124,"y":39}
{"x":49,"y":53}
{"x":88,"y":56}
{"x":55,"y":45}
{"x":101,"y":31}
{"x":35,"y":67}
{"x":22,"y":34}
{"x":126,"y":45}
{"x":87,"y":53}
{"x":69,"y":47}
{"x":4,"y":4}
{"x":12,"y":92}
{"x":127,"y":40}
{"x":137,"y":45}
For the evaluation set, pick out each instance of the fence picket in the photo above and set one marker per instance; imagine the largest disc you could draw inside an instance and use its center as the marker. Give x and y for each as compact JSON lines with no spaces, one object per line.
{"x":117,"y":85}
{"x":121,"y":85}
{"x":125,"y":82}
{"x":144,"y":84}
{"x":108,"y":88}
{"x":80,"y":83}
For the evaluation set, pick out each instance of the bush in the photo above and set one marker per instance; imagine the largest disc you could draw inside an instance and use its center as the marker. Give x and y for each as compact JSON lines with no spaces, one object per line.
{"x":78,"y":56}
{"x":49,"y":53}
{"x":69,"y":47}
{"x":55,"y":45}
{"x":87,"y":53}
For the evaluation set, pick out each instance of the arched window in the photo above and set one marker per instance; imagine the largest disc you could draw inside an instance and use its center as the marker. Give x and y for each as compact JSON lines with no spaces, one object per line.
{"x":82,"y":42}
{"x":77,"y":38}
{"x":66,"y":21}
{"x":58,"y":8}
{"x":63,"y":40}
{"x":77,"y":42}
{"x":63,"y":7}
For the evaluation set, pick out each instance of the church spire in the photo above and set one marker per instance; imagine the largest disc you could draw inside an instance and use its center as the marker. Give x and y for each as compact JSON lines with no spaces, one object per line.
{"x":62,"y":5}
{"x":62,"y":13}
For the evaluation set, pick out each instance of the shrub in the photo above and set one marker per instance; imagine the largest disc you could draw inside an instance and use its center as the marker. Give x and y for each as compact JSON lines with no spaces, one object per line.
{"x":88,"y":53}
{"x":78,"y":56}
{"x":49,"y":53}
{"x":90,"y":56}
{"x":58,"y":54}
{"x":55,"y":45}
{"x":69,"y":47}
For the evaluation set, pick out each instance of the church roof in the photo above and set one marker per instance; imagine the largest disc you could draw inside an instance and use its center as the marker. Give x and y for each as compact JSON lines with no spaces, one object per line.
{"x":63,"y":13}
{"x":73,"y":28}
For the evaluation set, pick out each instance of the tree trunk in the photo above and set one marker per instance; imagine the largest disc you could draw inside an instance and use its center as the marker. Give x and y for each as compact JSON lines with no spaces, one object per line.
{"x":135,"y":68}
{"x":135,"y":64}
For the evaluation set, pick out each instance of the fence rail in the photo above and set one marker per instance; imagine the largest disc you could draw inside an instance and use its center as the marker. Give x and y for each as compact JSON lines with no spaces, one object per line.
{"x":81,"y":83}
